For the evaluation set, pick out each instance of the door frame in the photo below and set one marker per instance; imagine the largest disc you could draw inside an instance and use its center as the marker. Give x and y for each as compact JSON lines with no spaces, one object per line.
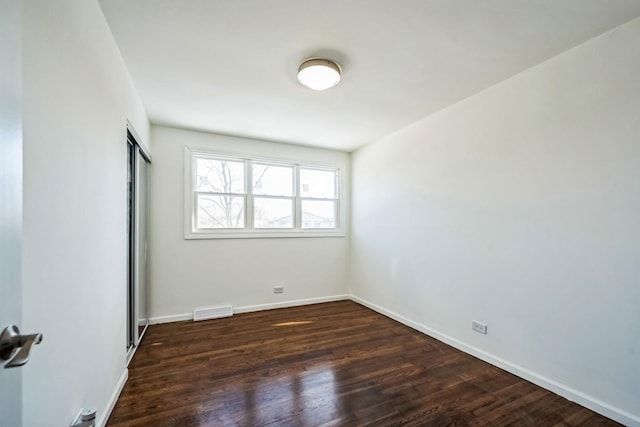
{"x":136,"y":154}
{"x":11,"y":190}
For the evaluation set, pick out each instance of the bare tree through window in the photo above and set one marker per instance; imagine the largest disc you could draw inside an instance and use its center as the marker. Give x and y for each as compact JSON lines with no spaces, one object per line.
{"x":221,"y":188}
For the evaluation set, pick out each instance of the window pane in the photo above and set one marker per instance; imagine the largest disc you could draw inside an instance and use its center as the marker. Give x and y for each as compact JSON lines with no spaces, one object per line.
{"x":317,"y":183}
{"x":219,"y":176}
{"x":318,"y":214}
{"x":272,"y":213}
{"x":220,"y":211}
{"x":272,"y":180}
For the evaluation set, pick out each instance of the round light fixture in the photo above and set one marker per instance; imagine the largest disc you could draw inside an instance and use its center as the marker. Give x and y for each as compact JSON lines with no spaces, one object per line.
{"x":319,"y":74}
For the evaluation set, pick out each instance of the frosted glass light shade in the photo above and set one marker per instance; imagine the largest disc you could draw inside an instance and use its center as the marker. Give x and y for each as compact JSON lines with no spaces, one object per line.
{"x":319,"y":74}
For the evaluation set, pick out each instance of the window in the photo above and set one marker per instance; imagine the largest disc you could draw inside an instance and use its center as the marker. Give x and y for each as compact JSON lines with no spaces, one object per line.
{"x":273,"y":196}
{"x":235,"y":197}
{"x":318,"y":194}
{"x":220,"y":193}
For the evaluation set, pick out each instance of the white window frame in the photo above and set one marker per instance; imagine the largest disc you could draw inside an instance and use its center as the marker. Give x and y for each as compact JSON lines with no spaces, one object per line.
{"x":244,"y":194}
{"x":191,"y":231}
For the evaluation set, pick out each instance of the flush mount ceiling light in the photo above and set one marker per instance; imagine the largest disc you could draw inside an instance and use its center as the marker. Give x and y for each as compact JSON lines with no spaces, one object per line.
{"x":319,"y":74}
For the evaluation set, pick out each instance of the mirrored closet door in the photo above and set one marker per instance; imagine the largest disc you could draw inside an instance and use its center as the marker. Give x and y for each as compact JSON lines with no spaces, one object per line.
{"x":138,"y":243}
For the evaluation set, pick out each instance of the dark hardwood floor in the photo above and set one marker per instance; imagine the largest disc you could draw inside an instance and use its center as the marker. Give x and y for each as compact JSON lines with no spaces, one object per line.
{"x":334,"y":364}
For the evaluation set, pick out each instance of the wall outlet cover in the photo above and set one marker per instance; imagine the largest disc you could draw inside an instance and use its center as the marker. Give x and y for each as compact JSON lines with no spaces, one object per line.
{"x":479,"y":327}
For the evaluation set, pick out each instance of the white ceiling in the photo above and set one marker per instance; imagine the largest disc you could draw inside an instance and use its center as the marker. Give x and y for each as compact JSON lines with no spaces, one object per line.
{"x":230,"y":66}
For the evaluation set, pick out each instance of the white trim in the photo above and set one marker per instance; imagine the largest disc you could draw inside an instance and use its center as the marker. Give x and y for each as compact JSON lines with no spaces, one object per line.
{"x":258,"y":156}
{"x":188,"y":208}
{"x":144,"y":331}
{"x":104,"y":417}
{"x":130,"y":352}
{"x":142,"y":144}
{"x":291,"y":303}
{"x":281,"y":233}
{"x":171,"y":318}
{"x":251,"y":308}
{"x":567,"y":392}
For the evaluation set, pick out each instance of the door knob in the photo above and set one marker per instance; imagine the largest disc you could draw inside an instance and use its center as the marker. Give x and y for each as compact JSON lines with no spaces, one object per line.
{"x":15,"y":348}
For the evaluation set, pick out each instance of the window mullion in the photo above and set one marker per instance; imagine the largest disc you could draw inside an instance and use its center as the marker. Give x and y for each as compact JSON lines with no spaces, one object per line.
{"x":266,"y":196}
{"x":297,"y":199}
{"x":248,"y":197}
{"x":194,"y":214}
{"x":320,"y":199}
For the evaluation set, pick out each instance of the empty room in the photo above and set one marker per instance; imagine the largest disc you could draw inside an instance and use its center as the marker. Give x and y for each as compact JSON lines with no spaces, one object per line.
{"x":336,"y":213}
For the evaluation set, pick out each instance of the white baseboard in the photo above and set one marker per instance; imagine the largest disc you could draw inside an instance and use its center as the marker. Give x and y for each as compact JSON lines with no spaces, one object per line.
{"x":104,"y":417}
{"x":251,"y":308}
{"x":569,"y":393}
{"x":171,"y":318}
{"x":290,"y":303}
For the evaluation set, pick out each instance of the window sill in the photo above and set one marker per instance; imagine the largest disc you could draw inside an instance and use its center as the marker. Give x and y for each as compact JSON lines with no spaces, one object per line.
{"x":263,"y":234}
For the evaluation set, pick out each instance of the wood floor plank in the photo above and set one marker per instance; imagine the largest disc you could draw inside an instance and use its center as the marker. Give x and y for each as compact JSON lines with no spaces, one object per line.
{"x":332,"y":364}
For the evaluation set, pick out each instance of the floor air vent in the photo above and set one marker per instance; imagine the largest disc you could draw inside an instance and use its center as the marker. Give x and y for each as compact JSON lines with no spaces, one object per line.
{"x":212,"y":313}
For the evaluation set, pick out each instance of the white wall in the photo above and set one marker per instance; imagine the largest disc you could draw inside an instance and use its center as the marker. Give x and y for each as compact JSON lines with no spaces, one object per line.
{"x":519,"y":207}
{"x":77,"y":99}
{"x":188,"y":274}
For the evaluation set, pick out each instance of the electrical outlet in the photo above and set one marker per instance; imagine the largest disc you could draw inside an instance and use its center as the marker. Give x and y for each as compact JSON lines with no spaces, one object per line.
{"x":86,"y":418}
{"x":278,"y":289}
{"x":479,"y":327}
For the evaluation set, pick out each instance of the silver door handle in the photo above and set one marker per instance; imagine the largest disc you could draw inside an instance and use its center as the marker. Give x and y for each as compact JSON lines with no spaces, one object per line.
{"x":15,"y":348}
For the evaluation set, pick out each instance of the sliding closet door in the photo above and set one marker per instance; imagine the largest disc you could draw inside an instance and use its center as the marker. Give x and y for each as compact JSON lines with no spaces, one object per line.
{"x":138,"y":243}
{"x":142,"y":245}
